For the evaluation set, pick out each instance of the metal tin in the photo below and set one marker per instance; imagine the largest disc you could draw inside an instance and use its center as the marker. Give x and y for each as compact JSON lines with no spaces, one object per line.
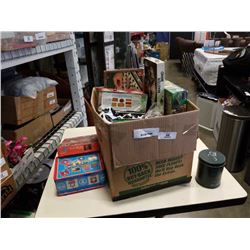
{"x":210,"y":167}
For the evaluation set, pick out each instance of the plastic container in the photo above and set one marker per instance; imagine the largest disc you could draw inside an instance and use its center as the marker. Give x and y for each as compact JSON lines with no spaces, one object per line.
{"x":210,"y":167}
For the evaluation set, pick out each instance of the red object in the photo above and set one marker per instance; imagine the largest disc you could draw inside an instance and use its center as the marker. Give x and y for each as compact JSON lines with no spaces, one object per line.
{"x":78,"y":145}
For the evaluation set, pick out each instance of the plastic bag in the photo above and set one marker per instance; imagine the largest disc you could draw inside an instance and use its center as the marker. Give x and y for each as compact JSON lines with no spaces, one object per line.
{"x":28,"y":86}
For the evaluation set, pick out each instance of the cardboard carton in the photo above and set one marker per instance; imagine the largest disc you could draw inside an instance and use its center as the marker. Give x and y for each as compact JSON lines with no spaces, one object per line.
{"x":154,"y":78}
{"x":21,"y":109}
{"x":163,"y":48}
{"x":156,"y":139}
{"x":34,"y":130}
{"x":8,"y":186}
{"x":64,"y":109}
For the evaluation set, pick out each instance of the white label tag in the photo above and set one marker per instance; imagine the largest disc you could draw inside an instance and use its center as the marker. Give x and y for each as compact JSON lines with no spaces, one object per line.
{"x":167,"y":135}
{"x":50,"y":94}
{"x":52,"y":101}
{"x":40,"y":35}
{"x":67,"y":108}
{"x":28,"y":39}
{"x":145,"y":132}
{"x":2,"y":161}
{"x":4,"y":174}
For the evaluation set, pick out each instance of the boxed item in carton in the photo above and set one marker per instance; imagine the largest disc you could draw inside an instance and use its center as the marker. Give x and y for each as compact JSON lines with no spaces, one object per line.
{"x":34,"y":129}
{"x":64,"y":109}
{"x":122,"y":101}
{"x":17,"y":110}
{"x":147,"y":140}
{"x":78,"y":145}
{"x":175,"y":98}
{"x":79,"y":173}
{"x":124,"y":79}
{"x":154,"y":79}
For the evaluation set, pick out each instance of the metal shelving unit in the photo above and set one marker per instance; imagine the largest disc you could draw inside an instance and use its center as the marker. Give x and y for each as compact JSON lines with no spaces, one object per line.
{"x":49,"y":143}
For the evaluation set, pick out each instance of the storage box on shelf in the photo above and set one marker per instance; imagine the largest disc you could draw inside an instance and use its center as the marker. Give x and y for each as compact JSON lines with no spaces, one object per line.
{"x":57,"y":36}
{"x":34,"y":129}
{"x":64,"y":109}
{"x":11,"y":41}
{"x":8,"y":185}
{"x":17,"y":110}
{"x":141,"y":165}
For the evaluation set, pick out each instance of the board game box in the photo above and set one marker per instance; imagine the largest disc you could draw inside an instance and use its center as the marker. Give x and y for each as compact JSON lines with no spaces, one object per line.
{"x":78,"y":145}
{"x":79,"y":173}
{"x":154,"y":79}
{"x":124,"y":79}
{"x":122,"y":101}
{"x":175,"y":98}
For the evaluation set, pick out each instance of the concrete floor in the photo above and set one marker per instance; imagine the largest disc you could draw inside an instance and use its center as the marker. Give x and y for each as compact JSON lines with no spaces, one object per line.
{"x":175,"y":74}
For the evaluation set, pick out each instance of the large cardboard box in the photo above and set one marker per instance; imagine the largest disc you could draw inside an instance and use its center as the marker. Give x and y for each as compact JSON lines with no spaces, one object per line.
{"x":8,"y":186}
{"x":21,"y":109}
{"x":34,"y":130}
{"x":121,"y":150}
{"x":64,"y":109}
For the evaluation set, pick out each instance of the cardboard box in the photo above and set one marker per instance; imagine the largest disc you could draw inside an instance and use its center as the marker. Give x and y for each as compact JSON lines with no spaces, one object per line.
{"x":34,"y":129}
{"x":64,"y":109}
{"x":17,"y":40}
{"x":8,"y":186}
{"x":163,"y":48}
{"x":79,"y":173}
{"x":78,"y":145}
{"x":154,"y":79}
{"x":57,"y":36}
{"x":124,"y":79}
{"x":159,"y":138}
{"x":21,"y":109}
{"x":49,"y":99}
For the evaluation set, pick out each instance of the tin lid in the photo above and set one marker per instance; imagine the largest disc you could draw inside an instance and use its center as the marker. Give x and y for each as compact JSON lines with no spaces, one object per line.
{"x":212,"y":157}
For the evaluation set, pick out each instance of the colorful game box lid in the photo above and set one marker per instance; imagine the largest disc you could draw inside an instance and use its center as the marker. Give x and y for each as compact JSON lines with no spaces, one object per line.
{"x":78,"y":165}
{"x":78,"y":145}
{"x":124,"y":79}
